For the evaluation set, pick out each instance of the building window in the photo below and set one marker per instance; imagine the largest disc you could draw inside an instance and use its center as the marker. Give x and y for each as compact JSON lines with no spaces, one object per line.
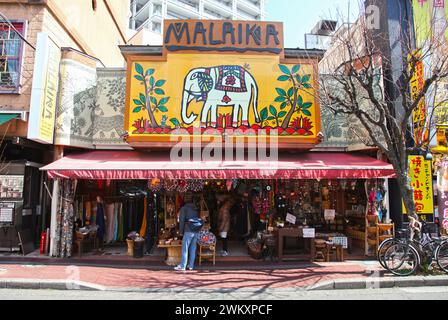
{"x":157,"y":9}
{"x":157,"y":27}
{"x":11,"y":47}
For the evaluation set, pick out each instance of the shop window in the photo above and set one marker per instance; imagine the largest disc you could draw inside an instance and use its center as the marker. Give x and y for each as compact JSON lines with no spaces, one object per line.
{"x":11,"y":50}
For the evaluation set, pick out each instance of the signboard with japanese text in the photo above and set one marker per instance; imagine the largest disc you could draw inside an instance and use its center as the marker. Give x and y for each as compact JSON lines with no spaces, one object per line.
{"x":442,"y":195}
{"x":420,"y":173}
{"x":419,"y":114}
{"x":44,"y":91}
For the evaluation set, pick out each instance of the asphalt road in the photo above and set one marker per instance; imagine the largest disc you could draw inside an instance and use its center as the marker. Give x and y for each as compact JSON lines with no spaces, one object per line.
{"x":417,"y":293}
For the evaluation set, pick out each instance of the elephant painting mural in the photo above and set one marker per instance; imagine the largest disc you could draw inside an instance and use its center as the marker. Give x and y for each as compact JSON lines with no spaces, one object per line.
{"x":220,"y":86}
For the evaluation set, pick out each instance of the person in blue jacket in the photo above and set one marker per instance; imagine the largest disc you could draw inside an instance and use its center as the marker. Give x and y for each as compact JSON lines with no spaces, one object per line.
{"x":190,"y":237}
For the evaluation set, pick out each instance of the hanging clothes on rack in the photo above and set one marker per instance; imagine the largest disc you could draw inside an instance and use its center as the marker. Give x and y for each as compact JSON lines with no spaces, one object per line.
{"x":145,"y":218}
{"x":110,"y":208}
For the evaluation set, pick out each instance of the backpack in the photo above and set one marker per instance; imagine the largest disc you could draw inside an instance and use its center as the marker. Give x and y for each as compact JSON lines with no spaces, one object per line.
{"x":195,"y":224}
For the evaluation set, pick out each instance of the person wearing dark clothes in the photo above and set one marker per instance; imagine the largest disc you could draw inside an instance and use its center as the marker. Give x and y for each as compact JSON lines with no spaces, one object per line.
{"x":100,"y":221}
{"x":190,"y":237}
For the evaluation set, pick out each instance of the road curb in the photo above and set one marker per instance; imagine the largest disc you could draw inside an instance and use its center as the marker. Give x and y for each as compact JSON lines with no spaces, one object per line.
{"x":380,"y":283}
{"x":337,"y":284}
{"x":49,"y":284}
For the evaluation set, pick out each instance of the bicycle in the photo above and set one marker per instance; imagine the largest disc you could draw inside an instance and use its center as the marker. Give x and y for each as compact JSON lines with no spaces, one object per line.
{"x":403,"y":256}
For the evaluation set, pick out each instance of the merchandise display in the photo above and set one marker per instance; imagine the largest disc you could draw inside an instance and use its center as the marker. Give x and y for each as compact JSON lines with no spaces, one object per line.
{"x":341,"y":212}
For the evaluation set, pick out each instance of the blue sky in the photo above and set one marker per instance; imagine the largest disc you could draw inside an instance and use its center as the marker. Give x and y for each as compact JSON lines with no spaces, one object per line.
{"x":300,"y":16}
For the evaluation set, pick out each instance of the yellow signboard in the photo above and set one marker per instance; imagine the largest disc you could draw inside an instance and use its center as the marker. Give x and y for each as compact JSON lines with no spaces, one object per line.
{"x":417,"y":85}
{"x":212,"y":91}
{"x":251,"y":92}
{"x":421,"y":181}
{"x":44,"y":90}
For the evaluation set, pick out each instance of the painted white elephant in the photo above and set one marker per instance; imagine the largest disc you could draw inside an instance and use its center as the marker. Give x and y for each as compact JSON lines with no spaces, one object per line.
{"x":220,"y":86}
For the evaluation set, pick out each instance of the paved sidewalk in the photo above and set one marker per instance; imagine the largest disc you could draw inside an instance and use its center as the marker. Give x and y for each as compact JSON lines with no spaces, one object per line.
{"x":316,"y":276}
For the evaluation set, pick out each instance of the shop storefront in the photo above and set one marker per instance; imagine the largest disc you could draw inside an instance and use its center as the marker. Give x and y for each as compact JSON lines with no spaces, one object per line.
{"x":200,"y":114}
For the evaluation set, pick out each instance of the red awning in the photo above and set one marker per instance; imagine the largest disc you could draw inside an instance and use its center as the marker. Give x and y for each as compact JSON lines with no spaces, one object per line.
{"x":122,"y":165}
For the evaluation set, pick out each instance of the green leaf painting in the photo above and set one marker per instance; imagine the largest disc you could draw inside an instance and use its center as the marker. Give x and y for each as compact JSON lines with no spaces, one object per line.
{"x":160,"y":83}
{"x":159,"y":91}
{"x":137,"y":102}
{"x":139,"y":68}
{"x":272,"y":110}
{"x":175,"y":122}
{"x":143,"y":98}
{"x":139,"y":78}
{"x":284,"y":69}
{"x":281,"y":92}
{"x":150,"y":72}
{"x":264,"y":114}
{"x":283,"y":78}
{"x":138,"y":109}
{"x":163,"y":109}
{"x":164,"y":101}
{"x":296,"y":68}
{"x":281,"y":114}
{"x":306,"y":78}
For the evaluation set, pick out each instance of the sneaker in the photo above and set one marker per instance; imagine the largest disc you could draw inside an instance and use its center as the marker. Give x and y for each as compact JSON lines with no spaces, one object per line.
{"x":191,"y":269}
{"x":224,"y":253}
{"x":179,"y":268}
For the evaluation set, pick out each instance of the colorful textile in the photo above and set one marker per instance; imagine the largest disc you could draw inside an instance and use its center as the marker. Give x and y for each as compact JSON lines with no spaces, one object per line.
{"x":100,"y":220}
{"x":109,"y":235}
{"x":231,"y":79}
{"x":145,"y":210}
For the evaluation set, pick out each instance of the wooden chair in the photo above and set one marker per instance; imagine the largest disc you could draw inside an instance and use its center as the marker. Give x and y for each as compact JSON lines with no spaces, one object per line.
{"x":207,"y":247}
{"x":320,"y":246}
{"x":207,"y":252}
{"x":336,"y":250}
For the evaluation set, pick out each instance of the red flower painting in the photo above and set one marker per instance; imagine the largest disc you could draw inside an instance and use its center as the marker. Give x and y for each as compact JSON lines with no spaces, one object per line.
{"x":302,"y":126}
{"x":230,"y":80}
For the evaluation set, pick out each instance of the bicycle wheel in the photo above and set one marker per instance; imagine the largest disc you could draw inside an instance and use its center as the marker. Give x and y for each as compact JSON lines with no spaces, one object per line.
{"x":382,"y":250}
{"x":401,"y":259}
{"x":429,"y":249}
{"x":441,"y":256}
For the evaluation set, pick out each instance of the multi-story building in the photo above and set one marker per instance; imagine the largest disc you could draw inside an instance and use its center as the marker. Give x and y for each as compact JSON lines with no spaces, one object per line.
{"x":148,"y":15}
{"x":78,"y":28}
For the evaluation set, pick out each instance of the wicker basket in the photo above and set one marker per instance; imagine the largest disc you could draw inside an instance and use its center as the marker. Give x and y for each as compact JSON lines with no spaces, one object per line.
{"x":130,"y":247}
{"x":255,"y":249}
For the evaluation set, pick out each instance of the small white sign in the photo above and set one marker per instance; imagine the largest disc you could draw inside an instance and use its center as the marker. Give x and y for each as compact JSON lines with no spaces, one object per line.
{"x":309,"y":232}
{"x":291,"y":218}
{"x":329,"y":214}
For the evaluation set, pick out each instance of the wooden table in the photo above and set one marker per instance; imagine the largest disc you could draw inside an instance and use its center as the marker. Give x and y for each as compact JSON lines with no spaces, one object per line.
{"x":295,"y":233}
{"x":173,"y":253}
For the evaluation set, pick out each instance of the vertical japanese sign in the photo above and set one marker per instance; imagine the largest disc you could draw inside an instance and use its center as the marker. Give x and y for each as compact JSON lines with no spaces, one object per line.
{"x":44,"y":90}
{"x":421,"y":181}
{"x":417,"y":85}
{"x":442,"y":194}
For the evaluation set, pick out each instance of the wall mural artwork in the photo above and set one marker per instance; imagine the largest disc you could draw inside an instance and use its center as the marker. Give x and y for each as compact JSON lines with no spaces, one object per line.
{"x":256,"y":92}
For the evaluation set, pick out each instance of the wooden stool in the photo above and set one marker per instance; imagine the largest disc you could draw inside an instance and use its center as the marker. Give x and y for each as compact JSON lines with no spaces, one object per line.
{"x":207,"y":252}
{"x":320,"y":246}
{"x":334,"y":249}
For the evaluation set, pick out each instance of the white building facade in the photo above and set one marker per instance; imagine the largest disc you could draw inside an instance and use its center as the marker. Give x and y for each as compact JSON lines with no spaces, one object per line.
{"x":148,"y":15}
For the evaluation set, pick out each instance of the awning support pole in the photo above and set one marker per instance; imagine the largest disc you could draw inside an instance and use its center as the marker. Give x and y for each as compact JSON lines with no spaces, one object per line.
{"x":386,"y":199}
{"x":54,"y":209}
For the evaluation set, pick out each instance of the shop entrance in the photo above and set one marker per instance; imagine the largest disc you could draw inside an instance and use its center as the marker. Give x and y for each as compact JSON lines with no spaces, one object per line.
{"x":239,"y":212}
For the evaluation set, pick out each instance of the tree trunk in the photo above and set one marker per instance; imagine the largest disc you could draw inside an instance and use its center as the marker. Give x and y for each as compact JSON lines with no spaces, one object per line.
{"x":148,"y":108}
{"x":287,"y":120}
{"x":407,"y":193}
